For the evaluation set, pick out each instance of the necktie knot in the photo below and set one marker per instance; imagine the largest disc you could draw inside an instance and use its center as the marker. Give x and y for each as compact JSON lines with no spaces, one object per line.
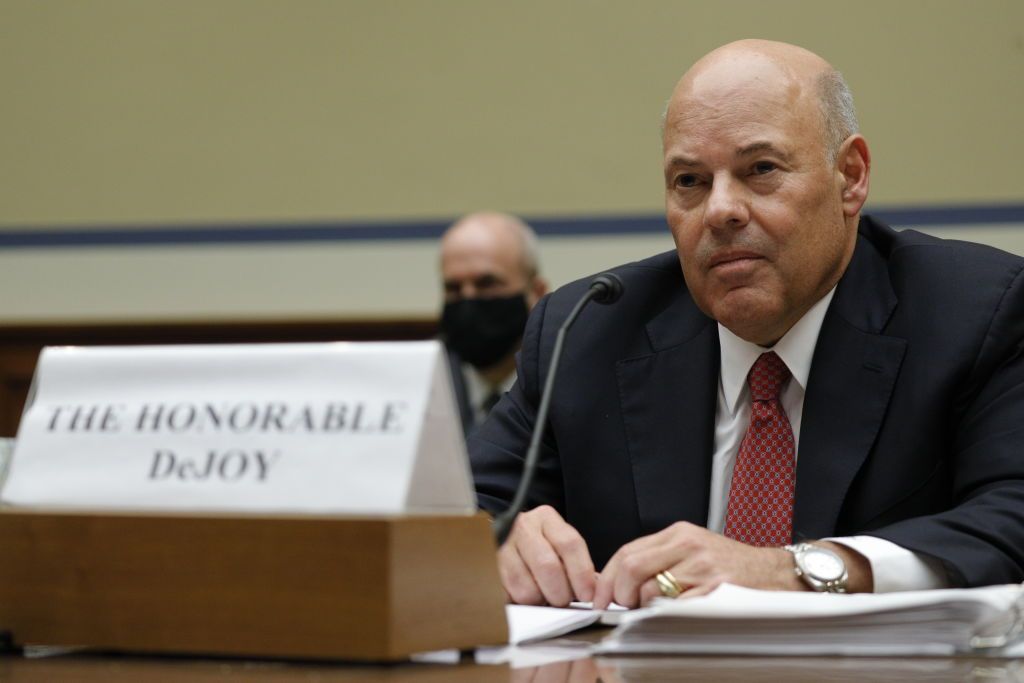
{"x":767,"y":377}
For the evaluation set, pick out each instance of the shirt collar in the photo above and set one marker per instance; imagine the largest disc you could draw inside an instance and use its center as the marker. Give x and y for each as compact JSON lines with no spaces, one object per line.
{"x":478,"y":389}
{"x":795,"y":349}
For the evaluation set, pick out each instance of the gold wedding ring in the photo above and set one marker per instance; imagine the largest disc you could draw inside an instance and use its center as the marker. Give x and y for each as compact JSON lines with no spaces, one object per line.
{"x":668,"y":585}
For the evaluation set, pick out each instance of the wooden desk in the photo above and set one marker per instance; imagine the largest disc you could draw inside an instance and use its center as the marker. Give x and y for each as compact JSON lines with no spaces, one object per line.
{"x":89,"y":669}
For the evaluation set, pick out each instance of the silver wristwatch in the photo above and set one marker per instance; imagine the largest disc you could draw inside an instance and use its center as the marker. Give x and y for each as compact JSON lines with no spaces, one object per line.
{"x":820,"y":568}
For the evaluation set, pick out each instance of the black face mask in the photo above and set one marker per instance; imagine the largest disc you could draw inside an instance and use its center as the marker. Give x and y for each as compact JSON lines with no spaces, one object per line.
{"x":483,"y":331}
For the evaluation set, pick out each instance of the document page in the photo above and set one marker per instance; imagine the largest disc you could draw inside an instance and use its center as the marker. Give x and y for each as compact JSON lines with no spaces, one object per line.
{"x":529,"y":624}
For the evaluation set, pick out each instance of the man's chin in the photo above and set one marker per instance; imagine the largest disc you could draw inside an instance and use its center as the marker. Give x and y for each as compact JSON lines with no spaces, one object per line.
{"x":750,"y":316}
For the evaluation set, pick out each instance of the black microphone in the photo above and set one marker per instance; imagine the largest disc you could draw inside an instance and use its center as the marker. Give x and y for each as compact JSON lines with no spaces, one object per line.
{"x":606,"y":288}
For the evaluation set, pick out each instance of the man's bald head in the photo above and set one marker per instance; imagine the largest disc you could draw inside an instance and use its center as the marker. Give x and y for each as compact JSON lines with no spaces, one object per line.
{"x":777,"y":64}
{"x":490,"y":254}
{"x":502,"y":230}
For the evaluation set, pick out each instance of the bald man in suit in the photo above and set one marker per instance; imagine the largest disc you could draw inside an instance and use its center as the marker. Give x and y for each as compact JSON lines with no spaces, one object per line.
{"x":888,"y":453}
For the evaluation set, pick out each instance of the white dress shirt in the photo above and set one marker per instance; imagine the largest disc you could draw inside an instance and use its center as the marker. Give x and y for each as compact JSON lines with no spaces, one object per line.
{"x":478,"y":390}
{"x":894,"y":568}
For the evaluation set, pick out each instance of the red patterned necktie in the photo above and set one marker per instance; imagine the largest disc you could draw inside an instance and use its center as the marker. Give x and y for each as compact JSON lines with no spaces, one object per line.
{"x":760,"y":510}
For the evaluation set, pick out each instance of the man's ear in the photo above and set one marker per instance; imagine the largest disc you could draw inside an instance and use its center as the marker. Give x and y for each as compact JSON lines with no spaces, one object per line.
{"x":538,"y":288}
{"x":854,"y":164}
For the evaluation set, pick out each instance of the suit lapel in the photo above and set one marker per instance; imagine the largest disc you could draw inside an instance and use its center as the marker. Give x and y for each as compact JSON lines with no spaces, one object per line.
{"x":852,"y":376}
{"x":668,"y":407}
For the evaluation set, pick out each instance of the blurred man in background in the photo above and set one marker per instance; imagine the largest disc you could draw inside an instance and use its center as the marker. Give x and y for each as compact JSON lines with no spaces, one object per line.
{"x":489,"y":268}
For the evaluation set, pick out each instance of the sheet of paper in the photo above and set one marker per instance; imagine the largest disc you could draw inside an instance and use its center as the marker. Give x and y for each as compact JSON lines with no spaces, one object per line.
{"x":527,"y":623}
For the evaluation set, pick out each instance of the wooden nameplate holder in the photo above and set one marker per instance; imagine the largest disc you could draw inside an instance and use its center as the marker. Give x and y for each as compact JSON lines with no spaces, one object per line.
{"x":370,"y":588}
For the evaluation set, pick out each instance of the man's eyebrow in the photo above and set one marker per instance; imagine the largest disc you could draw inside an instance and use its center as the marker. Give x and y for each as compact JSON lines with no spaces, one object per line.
{"x":756,"y":147}
{"x":680,"y":160}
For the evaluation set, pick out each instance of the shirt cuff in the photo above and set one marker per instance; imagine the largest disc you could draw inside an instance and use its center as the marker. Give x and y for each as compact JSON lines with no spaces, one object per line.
{"x":895,"y":568}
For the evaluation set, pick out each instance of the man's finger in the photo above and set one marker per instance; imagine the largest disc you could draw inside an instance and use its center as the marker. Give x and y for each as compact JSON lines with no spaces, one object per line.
{"x":572,"y":549}
{"x":635,"y":569}
{"x":648,"y":591}
{"x":546,"y":568}
{"x":606,"y":581}
{"x":603,"y":589}
{"x":699,"y":590}
{"x":516,"y":577}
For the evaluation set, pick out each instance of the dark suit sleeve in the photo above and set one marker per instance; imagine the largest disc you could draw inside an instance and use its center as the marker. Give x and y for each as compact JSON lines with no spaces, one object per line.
{"x":980,"y":538}
{"x":498,"y":448}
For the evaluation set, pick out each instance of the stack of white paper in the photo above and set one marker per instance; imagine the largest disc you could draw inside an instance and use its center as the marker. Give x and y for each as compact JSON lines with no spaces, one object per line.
{"x":741,"y":620}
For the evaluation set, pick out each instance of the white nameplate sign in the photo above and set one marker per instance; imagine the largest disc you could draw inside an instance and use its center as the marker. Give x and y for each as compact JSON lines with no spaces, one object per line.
{"x":367,"y":428}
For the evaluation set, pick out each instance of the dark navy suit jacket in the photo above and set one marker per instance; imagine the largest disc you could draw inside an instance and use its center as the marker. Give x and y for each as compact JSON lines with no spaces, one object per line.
{"x":913,"y":418}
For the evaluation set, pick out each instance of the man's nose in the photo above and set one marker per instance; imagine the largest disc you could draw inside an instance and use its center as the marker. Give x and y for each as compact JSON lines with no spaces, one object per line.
{"x":726,"y":205}
{"x":467,"y":290}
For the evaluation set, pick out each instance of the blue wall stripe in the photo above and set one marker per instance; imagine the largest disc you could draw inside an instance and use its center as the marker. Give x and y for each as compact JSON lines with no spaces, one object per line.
{"x":261,"y":233}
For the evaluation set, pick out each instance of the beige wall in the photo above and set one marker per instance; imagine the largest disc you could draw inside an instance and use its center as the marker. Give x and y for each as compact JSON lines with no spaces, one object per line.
{"x":131,"y":112}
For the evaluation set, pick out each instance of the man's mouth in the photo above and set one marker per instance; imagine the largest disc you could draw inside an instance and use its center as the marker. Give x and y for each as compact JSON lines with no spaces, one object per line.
{"x":728,"y":259}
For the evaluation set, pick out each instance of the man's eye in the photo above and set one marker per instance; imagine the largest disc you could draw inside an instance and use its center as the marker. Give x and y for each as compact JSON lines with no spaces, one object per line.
{"x":762,"y":167}
{"x":487,"y":282}
{"x":686,"y":180}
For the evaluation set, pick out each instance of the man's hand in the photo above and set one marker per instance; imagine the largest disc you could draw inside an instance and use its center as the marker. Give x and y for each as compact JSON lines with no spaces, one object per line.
{"x":699,"y":559}
{"x":545,"y":561}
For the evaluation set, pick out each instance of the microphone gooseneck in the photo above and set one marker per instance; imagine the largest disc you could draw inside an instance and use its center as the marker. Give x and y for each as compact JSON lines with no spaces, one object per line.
{"x":605,"y":288}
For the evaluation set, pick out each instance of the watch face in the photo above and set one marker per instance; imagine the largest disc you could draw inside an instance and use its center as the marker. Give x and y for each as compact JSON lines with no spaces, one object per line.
{"x":823,"y":565}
